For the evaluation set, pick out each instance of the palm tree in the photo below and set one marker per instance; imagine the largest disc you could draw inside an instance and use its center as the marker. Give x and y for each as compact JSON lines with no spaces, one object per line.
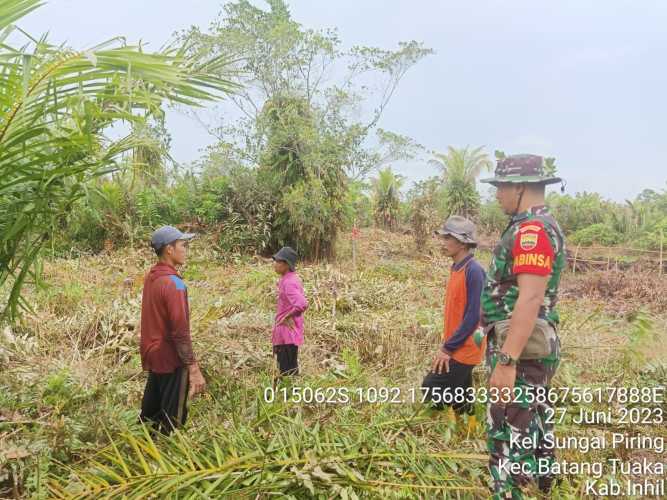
{"x":56,"y":107}
{"x":460,"y":169}
{"x":386,"y":194}
{"x":463,"y":163}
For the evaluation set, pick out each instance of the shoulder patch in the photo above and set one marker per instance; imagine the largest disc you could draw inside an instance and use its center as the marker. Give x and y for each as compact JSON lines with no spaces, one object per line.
{"x":529,"y":234}
{"x":532,"y":252}
{"x":528,"y":241}
{"x":178,"y":282}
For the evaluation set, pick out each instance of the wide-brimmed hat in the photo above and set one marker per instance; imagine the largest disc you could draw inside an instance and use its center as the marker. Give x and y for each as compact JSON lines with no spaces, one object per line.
{"x":460,"y":228}
{"x":524,"y":168}
{"x":287,"y":254}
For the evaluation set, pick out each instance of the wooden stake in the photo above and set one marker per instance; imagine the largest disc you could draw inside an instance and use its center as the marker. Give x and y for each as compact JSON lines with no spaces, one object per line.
{"x":355,"y":236}
{"x":354,"y":253}
{"x":574,"y":264}
{"x":335,"y":299}
{"x":661,"y":246}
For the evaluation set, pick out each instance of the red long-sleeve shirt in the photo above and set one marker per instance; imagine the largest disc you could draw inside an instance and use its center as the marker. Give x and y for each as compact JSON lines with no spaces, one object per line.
{"x":165,"y":321}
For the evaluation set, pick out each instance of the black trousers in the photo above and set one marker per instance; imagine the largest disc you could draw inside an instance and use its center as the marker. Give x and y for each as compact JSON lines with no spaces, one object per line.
{"x":437,"y":385}
{"x":288,"y":362}
{"x":164,"y":404}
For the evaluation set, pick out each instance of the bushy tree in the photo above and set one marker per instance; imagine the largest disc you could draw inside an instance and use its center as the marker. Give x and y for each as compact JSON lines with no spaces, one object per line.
{"x":426,"y":209}
{"x":359,"y":204}
{"x":588,"y":218}
{"x":596,"y":234}
{"x":310,"y":178}
{"x":579,"y":211}
{"x":490,"y":218}
{"x":307,"y":117}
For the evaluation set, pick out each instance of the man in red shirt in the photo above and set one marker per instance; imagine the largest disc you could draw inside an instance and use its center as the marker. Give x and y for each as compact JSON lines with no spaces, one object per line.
{"x":166,"y":346}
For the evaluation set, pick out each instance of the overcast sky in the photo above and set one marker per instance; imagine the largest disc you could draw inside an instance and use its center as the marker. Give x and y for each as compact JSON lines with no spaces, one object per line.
{"x":583,"y":81}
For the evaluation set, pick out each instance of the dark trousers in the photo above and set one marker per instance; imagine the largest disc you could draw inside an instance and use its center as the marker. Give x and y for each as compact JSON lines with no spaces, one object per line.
{"x":288,"y":362}
{"x":437,"y":385}
{"x":164,"y":404}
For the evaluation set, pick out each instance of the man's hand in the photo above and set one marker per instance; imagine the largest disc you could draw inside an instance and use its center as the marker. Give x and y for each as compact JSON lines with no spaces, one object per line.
{"x":503,"y":378}
{"x":197,"y":382}
{"x":441,"y":362}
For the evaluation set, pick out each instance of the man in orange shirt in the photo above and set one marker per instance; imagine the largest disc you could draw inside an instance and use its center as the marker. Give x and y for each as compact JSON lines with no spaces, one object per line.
{"x":461,"y":350}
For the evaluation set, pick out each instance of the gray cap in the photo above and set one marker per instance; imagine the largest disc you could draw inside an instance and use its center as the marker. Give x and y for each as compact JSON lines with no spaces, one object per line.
{"x":288,"y":255}
{"x":460,"y":228}
{"x":166,"y":235}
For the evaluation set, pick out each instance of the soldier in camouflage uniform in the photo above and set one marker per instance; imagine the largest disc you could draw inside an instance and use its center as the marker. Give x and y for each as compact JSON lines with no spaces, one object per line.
{"x":520,"y":318}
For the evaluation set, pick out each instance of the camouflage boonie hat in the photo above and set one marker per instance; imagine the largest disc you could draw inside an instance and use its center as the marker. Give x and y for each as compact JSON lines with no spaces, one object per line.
{"x":524,"y":168}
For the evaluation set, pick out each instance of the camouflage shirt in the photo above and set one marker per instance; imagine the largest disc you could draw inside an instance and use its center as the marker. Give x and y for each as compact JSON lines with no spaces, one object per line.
{"x":533,"y":243}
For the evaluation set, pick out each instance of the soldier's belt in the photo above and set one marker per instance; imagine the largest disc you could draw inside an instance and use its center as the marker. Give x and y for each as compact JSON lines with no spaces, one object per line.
{"x":543,"y":341}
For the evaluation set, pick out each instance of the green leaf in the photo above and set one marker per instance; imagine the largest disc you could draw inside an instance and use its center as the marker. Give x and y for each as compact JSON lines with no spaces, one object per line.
{"x":55,"y":110}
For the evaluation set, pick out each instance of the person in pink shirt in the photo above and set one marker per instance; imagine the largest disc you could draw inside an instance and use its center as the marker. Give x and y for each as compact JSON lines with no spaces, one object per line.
{"x":287,"y":333}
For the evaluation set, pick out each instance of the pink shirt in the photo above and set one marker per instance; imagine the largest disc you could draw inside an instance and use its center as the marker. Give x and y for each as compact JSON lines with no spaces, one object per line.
{"x":291,"y":302}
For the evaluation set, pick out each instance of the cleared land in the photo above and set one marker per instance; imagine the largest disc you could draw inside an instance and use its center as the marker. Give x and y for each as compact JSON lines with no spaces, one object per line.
{"x":72,"y":380}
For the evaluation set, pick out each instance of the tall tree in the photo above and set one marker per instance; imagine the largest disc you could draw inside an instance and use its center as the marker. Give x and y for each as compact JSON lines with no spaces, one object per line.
{"x":309,"y":109}
{"x":56,"y":107}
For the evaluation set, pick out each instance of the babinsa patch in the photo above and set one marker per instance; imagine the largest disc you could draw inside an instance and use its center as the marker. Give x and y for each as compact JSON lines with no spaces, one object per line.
{"x":528,"y":241}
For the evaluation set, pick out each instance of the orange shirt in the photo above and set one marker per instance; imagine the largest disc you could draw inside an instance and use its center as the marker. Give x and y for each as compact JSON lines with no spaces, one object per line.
{"x":456,"y":299}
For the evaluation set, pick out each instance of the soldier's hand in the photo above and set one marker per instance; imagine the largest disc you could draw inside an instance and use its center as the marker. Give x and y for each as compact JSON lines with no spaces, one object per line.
{"x":197,"y":382}
{"x":502,"y":380}
{"x":441,"y":362}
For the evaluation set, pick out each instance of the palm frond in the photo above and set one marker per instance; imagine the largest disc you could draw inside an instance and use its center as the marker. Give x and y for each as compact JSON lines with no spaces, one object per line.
{"x":12,"y":11}
{"x":278,"y":454}
{"x":56,"y":107}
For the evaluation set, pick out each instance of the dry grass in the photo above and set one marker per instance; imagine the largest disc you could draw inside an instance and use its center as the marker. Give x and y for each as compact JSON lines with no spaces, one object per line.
{"x":75,"y":379}
{"x":622,"y":292}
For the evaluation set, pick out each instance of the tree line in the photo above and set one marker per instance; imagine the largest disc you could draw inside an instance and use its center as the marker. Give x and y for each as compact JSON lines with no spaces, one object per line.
{"x":298,"y":156}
